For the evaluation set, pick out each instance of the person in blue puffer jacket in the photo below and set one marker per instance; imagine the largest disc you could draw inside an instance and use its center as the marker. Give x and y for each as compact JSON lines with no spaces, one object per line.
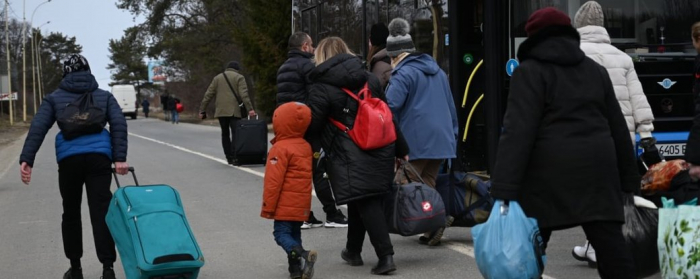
{"x":85,"y":160}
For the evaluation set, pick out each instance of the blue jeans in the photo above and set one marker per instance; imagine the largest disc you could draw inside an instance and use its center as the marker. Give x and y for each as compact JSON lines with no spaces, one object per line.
{"x":176,"y":117}
{"x":287,"y":234}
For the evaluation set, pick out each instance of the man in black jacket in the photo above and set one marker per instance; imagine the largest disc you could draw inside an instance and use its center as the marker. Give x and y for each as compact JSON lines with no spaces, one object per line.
{"x":292,"y":86}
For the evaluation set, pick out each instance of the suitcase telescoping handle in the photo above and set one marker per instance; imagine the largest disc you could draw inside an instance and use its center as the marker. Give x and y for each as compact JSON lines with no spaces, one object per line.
{"x":131,"y":169}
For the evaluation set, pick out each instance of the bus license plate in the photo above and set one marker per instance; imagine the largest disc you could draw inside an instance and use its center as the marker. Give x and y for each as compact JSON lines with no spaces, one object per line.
{"x":673,"y":149}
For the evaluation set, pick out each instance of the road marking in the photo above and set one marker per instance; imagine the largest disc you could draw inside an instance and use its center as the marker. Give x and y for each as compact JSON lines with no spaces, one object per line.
{"x":222,"y":161}
{"x":469,"y":251}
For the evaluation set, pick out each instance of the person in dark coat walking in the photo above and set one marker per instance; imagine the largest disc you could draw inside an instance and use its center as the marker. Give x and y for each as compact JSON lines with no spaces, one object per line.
{"x":692,"y":153}
{"x":292,"y":86}
{"x":164,"y":103}
{"x":565,"y":153}
{"x":84,"y":160}
{"x":359,"y":178}
{"x":172,"y":107}
{"x":146,"y":107}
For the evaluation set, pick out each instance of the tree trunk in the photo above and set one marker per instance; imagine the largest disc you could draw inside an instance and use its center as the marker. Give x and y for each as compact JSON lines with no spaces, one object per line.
{"x":438,"y":43}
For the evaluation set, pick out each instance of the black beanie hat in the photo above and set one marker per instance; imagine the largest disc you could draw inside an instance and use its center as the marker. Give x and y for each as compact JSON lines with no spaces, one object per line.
{"x":378,"y":34}
{"x":234,"y":65}
{"x":75,"y":63}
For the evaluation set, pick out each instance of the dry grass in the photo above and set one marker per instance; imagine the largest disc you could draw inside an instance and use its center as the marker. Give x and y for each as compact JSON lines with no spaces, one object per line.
{"x":10,"y":133}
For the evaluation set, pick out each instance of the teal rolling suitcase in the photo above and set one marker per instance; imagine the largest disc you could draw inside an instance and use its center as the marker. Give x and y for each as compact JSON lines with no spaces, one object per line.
{"x":151,"y":232}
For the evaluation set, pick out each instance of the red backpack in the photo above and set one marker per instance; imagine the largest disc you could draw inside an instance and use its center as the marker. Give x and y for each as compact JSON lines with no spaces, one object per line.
{"x":374,"y":125}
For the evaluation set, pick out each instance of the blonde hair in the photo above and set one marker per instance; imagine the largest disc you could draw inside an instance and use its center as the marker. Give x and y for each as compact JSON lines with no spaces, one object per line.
{"x":696,"y":31}
{"x":330,"y":47}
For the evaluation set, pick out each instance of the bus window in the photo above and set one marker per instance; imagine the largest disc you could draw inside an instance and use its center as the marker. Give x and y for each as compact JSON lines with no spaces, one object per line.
{"x":635,"y":26}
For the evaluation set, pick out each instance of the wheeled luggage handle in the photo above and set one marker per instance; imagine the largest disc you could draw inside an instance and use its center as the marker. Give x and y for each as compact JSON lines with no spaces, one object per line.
{"x":131,"y":169}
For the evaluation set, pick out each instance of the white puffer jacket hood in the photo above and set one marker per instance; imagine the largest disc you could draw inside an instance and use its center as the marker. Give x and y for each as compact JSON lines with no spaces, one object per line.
{"x":595,"y":42}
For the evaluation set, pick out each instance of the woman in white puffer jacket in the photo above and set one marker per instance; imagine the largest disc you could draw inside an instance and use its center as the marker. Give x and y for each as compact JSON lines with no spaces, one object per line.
{"x":595,"y":42}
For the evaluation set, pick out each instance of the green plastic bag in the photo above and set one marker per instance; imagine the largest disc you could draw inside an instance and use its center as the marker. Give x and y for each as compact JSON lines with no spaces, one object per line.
{"x":679,"y":240}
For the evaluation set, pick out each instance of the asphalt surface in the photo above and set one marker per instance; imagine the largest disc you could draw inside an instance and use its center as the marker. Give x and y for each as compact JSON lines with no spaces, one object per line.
{"x":223,"y":206}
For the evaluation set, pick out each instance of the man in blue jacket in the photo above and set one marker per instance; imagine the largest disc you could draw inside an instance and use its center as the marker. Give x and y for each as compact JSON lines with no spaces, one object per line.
{"x":86,"y":159}
{"x":419,"y":96}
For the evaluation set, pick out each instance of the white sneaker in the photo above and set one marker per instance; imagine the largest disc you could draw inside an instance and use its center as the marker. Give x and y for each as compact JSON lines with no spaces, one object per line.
{"x":311,"y":223}
{"x":585,"y":253}
{"x":330,"y":224}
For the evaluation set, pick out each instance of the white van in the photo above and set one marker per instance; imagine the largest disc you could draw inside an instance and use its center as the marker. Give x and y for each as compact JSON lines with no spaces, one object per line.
{"x":126,"y":96}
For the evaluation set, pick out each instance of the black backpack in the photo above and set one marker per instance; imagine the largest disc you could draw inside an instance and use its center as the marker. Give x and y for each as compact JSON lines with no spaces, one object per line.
{"x":81,"y":117}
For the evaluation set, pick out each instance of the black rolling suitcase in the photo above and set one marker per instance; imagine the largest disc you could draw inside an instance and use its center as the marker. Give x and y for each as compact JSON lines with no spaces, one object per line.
{"x":251,"y":141}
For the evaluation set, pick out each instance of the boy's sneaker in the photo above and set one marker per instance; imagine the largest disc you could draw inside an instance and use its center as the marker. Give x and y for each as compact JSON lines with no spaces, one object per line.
{"x":312,"y":222}
{"x":295,"y":269}
{"x":108,"y":273}
{"x":336,"y":220}
{"x":308,"y":259}
{"x":73,"y":274}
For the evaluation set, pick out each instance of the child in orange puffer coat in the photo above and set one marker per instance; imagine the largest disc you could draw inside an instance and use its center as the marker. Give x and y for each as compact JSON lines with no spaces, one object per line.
{"x":287,"y":192}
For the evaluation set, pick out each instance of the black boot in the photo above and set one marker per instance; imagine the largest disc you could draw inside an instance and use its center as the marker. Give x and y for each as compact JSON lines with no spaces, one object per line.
{"x":108,"y":272}
{"x":308,"y":259}
{"x":384,"y":266}
{"x":294,"y":267}
{"x":354,"y":259}
{"x":73,"y":273}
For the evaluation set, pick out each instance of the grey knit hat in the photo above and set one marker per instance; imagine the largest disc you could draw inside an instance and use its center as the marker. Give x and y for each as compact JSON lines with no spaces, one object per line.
{"x":591,"y":13}
{"x":399,"y":41}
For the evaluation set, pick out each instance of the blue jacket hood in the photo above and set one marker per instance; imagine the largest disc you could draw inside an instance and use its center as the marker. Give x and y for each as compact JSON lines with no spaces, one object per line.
{"x":419,"y":95}
{"x":422,"y":62}
{"x":79,"y":82}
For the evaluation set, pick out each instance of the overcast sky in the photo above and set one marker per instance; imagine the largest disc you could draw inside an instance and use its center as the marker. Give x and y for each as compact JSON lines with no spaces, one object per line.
{"x":92,"y":22}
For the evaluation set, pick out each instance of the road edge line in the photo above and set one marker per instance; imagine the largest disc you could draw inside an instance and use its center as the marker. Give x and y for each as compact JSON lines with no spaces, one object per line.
{"x":469,"y":251}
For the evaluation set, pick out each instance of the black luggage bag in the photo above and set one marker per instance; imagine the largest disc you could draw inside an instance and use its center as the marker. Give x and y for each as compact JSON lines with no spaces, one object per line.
{"x":251,"y":141}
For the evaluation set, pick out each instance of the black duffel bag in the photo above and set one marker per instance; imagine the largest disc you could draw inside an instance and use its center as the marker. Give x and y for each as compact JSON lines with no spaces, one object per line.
{"x":641,"y":232}
{"x":413,"y":208}
{"x":81,"y":117}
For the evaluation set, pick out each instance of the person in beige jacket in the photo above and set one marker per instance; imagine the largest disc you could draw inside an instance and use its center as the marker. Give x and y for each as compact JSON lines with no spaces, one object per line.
{"x":228,"y":109}
{"x":596,"y":43}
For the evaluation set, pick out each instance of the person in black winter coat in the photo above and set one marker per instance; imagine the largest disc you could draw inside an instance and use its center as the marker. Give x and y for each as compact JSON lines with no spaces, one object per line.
{"x":293,"y":75}
{"x":83,"y":160}
{"x":146,"y":107}
{"x":359,"y":178}
{"x":565,"y":153}
{"x":292,"y":86}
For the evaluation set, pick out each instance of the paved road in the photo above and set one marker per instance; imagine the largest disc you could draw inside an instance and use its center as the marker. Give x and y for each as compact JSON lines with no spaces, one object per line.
{"x":223,"y":206}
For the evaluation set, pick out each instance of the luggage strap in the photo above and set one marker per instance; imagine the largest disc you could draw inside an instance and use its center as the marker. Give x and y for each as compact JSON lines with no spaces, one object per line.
{"x":472,"y":207}
{"x":154,"y":208}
